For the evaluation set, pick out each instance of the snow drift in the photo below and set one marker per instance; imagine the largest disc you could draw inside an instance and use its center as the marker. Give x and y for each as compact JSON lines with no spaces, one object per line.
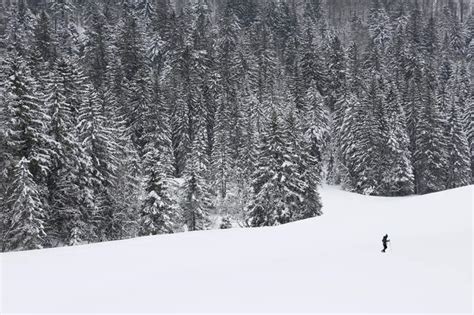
{"x":331,"y":263}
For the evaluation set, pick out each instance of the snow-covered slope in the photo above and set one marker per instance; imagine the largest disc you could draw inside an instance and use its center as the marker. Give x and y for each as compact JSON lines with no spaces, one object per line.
{"x":328,"y":264}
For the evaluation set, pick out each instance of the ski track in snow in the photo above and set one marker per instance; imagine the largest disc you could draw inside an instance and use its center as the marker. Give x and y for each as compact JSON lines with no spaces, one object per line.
{"x":331,"y":263}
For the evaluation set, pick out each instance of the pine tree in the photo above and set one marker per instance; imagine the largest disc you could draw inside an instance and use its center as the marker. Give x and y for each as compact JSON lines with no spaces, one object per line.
{"x":158,"y":213}
{"x":304,"y":155}
{"x":27,"y":120}
{"x":312,"y":62}
{"x":398,"y":176}
{"x":465,"y":105}
{"x":138,"y":93}
{"x":228,"y":64}
{"x":352,"y":148}
{"x":101,"y":150}
{"x":196,"y":200}
{"x":65,"y":164}
{"x":26,"y":212}
{"x":430,"y":153}
{"x":69,"y":187}
{"x":267,"y":65}
{"x":278,"y":191}
{"x":316,"y":123}
{"x":458,"y":162}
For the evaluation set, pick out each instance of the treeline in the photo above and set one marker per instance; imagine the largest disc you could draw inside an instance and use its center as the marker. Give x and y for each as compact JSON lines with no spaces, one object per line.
{"x":126,"y":118}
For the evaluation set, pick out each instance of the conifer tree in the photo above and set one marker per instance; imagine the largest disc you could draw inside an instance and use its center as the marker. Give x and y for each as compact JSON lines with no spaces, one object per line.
{"x":26,"y":135}
{"x":465,"y":106}
{"x":228,"y":63}
{"x":25,"y":211}
{"x":159,"y":212}
{"x":458,"y":162}
{"x":308,"y":167}
{"x":196,"y":199}
{"x":101,"y":150}
{"x":398,"y":176}
{"x":316,"y":123}
{"x":278,"y":190}
{"x":430,"y":153}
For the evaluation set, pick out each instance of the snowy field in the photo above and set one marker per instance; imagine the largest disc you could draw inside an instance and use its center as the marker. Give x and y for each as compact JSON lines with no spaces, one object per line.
{"x":328,"y":264}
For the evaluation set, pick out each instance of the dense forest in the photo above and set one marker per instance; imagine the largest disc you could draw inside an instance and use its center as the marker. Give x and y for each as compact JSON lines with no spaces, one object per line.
{"x":127,"y":118}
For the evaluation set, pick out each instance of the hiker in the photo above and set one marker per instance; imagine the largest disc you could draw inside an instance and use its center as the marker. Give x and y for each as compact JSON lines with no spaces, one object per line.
{"x":385,"y":240}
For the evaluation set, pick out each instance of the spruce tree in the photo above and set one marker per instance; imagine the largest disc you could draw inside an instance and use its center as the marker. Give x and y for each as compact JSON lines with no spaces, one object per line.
{"x":26,"y":135}
{"x":196,"y":200}
{"x":458,"y":162}
{"x":308,"y":167}
{"x":397,"y":178}
{"x":101,"y":152}
{"x":278,"y":191}
{"x":26,"y":213}
{"x":430,"y":153}
{"x":159,"y":212}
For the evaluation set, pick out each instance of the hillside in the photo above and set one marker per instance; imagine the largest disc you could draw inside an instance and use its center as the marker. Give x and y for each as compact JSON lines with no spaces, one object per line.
{"x":331,"y":263}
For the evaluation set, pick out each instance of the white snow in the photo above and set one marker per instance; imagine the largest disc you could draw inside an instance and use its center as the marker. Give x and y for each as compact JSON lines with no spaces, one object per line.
{"x":331,"y":263}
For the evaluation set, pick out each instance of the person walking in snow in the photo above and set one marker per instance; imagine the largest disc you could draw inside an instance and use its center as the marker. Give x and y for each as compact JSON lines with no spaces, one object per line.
{"x":385,"y":240}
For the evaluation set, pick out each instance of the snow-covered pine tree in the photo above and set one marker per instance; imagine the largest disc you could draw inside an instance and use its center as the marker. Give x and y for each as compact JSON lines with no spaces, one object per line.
{"x":316,"y":126}
{"x":222,"y":155}
{"x":430,"y":153}
{"x":336,"y":99}
{"x":70,"y":77}
{"x":249,"y":105}
{"x":69,"y":184}
{"x":312,"y":60}
{"x":349,"y":135}
{"x":267,"y":66}
{"x":100,"y":147}
{"x":26,"y":213}
{"x":307,"y":164}
{"x":362,"y":142}
{"x":227,"y":44}
{"x":159,"y":212}
{"x":458,"y":162}
{"x":196,"y":202}
{"x":465,"y":106}
{"x":26,"y":135}
{"x":278,"y":192}
{"x":431,"y":127}
{"x":138,"y":99}
{"x":397,"y":179}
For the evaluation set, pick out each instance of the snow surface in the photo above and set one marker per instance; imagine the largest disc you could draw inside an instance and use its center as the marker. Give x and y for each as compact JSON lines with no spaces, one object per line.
{"x":331,"y":263}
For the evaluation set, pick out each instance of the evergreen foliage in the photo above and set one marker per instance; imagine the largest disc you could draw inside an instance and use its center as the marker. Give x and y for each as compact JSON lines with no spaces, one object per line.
{"x":126,"y":118}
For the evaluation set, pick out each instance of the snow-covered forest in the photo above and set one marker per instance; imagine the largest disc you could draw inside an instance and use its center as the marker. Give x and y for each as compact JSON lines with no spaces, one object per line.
{"x":126,"y":118}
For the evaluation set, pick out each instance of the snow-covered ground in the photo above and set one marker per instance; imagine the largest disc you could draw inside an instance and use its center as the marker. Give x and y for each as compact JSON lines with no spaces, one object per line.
{"x":328,"y":264}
